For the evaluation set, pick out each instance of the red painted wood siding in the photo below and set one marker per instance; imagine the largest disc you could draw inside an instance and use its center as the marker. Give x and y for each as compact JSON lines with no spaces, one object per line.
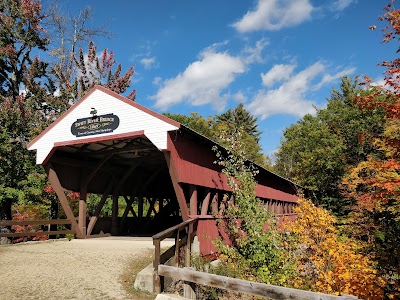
{"x":208,"y":230}
{"x":194,"y":162}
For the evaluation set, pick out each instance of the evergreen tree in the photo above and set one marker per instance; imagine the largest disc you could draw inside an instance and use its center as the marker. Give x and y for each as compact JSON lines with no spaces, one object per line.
{"x":240,"y":118}
{"x":232,"y":121}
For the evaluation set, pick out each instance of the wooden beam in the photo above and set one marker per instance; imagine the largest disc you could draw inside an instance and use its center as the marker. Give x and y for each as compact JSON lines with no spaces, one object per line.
{"x":99,"y":164}
{"x":246,"y":287}
{"x":129,"y":202}
{"x":214,"y":204}
{"x":128,"y":208}
{"x":114,"y":216}
{"x":177,"y":187}
{"x":138,"y":148}
{"x":82,"y":203}
{"x":151,"y":207}
{"x":193,"y":200}
{"x":206,"y":202}
{"x":140,"y":208}
{"x":55,"y":183}
{"x":96,"y":214}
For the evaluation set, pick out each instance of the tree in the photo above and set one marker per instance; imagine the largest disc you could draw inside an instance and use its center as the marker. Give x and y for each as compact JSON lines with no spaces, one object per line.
{"x":99,"y":71}
{"x":258,"y":248}
{"x":317,"y":151}
{"x":196,"y":122}
{"x":232,"y":121}
{"x":69,"y":33}
{"x":330,"y":263}
{"x":23,"y":90}
{"x":375,"y":183}
{"x":28,"y":98}
{"x":240,"y":118}
{"x":75,"y":71}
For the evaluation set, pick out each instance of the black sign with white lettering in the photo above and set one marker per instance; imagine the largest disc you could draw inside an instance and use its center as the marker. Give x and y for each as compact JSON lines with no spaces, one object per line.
{"x":95,"y":125}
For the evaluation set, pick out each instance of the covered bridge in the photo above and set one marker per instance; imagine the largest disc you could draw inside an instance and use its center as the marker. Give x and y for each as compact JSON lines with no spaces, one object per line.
{"x":108,"y":145}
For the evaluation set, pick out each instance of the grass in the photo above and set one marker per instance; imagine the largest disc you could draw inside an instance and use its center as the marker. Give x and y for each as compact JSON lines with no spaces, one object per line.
{"x":129,"y":275}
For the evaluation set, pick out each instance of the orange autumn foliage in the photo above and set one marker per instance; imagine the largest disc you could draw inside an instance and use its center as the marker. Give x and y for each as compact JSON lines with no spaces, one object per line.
{"x":329,"y":263}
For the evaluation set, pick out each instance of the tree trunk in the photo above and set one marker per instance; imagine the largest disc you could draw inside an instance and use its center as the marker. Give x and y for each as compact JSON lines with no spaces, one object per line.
{"x":5,"y":214}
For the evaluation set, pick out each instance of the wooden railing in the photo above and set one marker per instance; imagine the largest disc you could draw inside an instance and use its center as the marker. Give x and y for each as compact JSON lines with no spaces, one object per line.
{"x":26,"y":223}
{"x":185,"y":239}
{"x":243,"y":286}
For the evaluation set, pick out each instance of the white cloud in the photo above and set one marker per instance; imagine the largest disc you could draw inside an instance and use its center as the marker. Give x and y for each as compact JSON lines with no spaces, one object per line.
{"x":148,"y":62}
{"x":202,"y":82}
{"x":327,"y":78}
{"x":253,"y":54}
{"x":340,"y":5}
{"x":156,"y":80}
{"x":274,"y":15}
{"x":291,"y":96}
{"x":239,"y":97}
{"x":380,"y":81}
{"x":277,"y":74}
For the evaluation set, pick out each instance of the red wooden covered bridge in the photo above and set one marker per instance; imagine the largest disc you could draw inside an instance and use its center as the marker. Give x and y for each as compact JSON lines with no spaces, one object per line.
{"x":108,"y":145}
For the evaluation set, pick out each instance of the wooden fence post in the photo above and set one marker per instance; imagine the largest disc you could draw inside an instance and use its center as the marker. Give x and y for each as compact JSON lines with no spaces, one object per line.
{"x":156,"y":263}
{"x":188,"y":287}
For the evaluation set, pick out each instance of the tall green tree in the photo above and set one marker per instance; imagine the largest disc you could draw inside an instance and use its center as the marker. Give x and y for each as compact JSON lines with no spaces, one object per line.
{"x":196,"y":122}
{"x":239,"y":117}
{"x":317,"y":151}
{"x":232,"y":121}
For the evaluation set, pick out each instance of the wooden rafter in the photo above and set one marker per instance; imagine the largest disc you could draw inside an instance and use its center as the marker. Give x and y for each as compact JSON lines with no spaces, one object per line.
{"x":82,"y":148}
{"x":97,"y":168}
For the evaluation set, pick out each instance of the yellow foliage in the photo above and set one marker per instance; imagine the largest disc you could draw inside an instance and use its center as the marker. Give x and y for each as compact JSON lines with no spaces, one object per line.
{"x":328,"y":264}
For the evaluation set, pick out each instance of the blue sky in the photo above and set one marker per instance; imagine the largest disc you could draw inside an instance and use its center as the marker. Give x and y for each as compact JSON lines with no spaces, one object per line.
{"x":281,"y":58}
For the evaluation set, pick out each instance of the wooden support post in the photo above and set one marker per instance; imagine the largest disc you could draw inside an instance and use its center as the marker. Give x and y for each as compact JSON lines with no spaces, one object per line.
{"x":82,"y":216}
{"x":96,"y":214}
{"x":177,"y":249}
{"x":140,"y":208}
{"x":114,"y":216}
{"x":83,"y":204}
{"x":156,"y":263}
{"x":177,"y":187}
{"x":193,"y":200}
{"x":206,"y":202}
{"x":55,"y":183}
{"x":188,"y":287}
{"x":214,"y":204}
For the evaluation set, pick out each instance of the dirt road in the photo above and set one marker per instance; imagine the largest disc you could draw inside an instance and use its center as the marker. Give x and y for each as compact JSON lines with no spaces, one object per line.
{"x":77,"y":269}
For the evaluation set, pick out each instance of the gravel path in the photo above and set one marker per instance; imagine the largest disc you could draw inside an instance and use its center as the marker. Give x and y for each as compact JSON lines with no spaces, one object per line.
{"x":77,"y":269}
